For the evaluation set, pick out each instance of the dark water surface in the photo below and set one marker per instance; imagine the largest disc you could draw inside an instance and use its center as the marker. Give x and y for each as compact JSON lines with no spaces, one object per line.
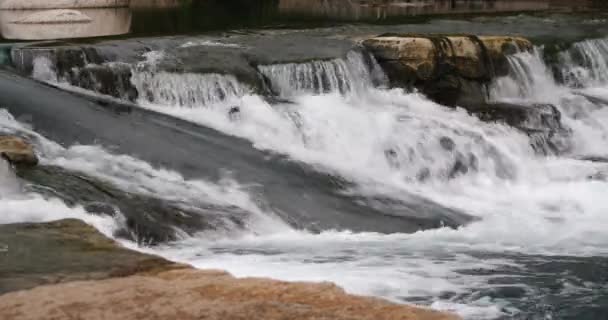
{"x":178,"y":17}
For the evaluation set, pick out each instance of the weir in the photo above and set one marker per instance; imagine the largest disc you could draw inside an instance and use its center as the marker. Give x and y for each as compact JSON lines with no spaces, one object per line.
{"x":349,"y":153}
{"x":305,"y":199}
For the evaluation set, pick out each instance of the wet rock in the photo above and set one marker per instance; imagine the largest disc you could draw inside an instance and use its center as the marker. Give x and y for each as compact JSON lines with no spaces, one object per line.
{"x":447,"y":143}
{"x":542,"y":122}
{"x":460,"y":167}
{"x":62,"y":251}
{"x":234,"y":113}
{"x":237,"y":55}
{"x":392,"y":157}
{"x":603,"y":159}
{"x":17,"y":151}
{"x":110,"y":79}
{"x":189,"y":294}
{"x":147,"y":220}
{"x":450,"y":69}
{"x":599,"y":176}
{"x":424,"y":174}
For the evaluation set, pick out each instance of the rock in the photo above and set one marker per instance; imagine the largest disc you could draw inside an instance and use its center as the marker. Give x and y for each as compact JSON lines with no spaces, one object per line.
{"x":189,"y":294}
{"x":17,"y":151}
{"x":68,"y":270}
{"x":595,"y":158}
{"x":234,"y":114}
{"x":542,"y":122}
{"x":447,"y":143}
{"x":147,"y":220}
{"x":61,"y":251}
{"x":108,"y":79}
{"x":450,"y":69}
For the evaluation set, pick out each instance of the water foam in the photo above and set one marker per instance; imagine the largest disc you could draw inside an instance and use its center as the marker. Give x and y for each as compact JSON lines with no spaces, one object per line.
{"x":391,"y":141}
{"x":127,"y":173}
{"x":532,"y":81}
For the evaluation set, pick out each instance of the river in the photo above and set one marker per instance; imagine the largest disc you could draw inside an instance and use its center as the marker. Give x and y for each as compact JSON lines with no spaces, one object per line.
{"x":330,"y":168}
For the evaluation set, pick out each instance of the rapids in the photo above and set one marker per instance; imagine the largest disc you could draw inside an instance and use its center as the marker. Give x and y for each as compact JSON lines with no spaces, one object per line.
{"x":536,"y":216}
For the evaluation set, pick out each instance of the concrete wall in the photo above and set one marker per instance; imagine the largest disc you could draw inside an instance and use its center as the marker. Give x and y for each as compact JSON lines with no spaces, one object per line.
{"x":60,"y":4}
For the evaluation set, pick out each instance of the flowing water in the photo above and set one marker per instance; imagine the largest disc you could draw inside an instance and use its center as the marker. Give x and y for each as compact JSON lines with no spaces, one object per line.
{"x":537,"y":250}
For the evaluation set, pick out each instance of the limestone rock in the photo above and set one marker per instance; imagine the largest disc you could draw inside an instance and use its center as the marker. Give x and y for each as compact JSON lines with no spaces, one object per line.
{"x":17,"y":151}
{"x":188,"y":294}
{"x":451,"y":69}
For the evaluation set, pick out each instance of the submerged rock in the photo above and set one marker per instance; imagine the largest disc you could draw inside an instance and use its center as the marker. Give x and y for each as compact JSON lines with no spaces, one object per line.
{"x":17,"y":151}
{"x":450,"y":69}
{"x":542,"y":122}
{"x":147,"y":220}
{"x":189,"y":294}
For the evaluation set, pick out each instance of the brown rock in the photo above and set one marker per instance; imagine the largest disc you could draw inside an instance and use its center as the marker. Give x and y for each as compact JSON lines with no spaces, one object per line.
{"x":451,"y":69}
{"x":17,"y":151}
{"x":189,"y":294}
{"x":500,"y":45}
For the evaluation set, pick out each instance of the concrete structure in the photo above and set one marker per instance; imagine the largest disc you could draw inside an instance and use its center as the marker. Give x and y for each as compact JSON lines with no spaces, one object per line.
{"x":60,"y":19}
{"x":64,"y":23}
{"x":60,"y":4}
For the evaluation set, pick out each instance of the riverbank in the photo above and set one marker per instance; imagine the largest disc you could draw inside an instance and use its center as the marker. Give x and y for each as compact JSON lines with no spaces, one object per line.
{"x":117,"y":283}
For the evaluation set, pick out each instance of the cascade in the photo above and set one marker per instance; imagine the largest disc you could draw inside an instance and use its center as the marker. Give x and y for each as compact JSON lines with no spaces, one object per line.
{"x":187,"y":90}
{"x":585,"y":64}
{"x":357,"y":71}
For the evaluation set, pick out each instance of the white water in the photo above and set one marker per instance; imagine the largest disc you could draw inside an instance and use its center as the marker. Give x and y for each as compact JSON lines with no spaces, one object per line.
{"x":385,"y":140}
{"x":531,"y":81}
{"x":337,"y":75}
{"x":18,"y":205}
{"x":388,"y":142}
{"x":130,"y":174}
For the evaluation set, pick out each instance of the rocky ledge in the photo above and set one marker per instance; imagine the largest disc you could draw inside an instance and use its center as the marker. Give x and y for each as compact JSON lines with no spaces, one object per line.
{"x":17,"y":151}
{"x":80,"y":274}
{"x":450,"y":69}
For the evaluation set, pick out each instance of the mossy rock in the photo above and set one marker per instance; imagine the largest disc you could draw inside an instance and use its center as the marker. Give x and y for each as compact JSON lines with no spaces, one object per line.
{"x":33,"y":254}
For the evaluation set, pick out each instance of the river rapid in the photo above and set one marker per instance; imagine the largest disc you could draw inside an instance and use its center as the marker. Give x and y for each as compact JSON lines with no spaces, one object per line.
{"x":537,"y":247}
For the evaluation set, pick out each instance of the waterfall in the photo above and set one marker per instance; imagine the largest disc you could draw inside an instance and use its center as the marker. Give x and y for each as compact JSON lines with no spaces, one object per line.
{"x":529,"y":78}
{"x":188,"y":89}
{"x":357,"y":71}
{"x":585,"y":64}
{"x":576,"y":90}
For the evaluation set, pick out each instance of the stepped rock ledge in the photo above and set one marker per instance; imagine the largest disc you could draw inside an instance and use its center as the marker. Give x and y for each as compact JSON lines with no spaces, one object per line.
{"x":450,"y":69}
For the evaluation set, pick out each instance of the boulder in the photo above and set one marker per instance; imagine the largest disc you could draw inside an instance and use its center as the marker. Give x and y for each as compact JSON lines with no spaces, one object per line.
{"x":189,"y":294}
{"x":451,"y":69}
{"x":148,"y":220}
{"x":17,"y":151}
{"x":542,"y":122}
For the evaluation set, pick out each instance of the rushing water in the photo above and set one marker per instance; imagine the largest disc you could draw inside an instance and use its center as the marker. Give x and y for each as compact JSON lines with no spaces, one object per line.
{"x":538,"y":251}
